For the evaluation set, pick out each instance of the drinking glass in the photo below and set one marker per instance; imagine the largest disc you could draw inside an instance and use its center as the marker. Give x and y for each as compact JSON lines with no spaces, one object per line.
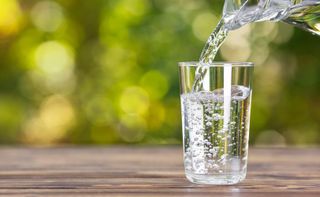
{"x":215,"y":107}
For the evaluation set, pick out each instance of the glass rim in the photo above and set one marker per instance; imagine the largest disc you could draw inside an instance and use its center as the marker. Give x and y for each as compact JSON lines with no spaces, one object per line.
{"x":215,"y":64}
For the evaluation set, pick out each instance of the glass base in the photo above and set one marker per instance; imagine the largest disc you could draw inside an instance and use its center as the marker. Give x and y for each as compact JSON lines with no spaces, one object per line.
{"x":216,"y":179}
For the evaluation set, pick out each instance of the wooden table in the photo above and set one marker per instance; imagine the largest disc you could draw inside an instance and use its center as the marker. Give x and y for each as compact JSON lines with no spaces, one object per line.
{"x":149,"y":171}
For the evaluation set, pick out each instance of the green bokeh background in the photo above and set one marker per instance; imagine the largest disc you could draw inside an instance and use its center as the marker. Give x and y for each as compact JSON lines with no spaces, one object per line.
{"x":105,"y":72}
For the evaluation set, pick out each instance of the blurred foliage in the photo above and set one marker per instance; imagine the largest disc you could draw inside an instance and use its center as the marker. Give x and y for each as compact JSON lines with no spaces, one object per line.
{"x":105,"y":71}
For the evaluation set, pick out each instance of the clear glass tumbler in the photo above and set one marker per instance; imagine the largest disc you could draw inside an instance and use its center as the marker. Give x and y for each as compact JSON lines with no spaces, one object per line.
{"x":216,"y":120}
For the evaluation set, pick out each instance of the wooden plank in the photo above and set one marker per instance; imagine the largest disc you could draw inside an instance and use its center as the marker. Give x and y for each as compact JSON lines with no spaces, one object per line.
{"x":148,"y":171}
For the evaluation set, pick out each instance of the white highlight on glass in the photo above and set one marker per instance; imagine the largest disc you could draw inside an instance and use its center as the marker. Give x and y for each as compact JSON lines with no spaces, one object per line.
{"x":227,"y":72}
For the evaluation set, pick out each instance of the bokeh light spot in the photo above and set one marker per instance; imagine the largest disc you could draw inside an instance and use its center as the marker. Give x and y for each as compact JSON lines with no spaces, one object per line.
{"x":284,"y":34}
{"x":260,"y":52}
{"x":47,"y":15}
{"x":10,"y":17}
{"x":202,"y":25}
{"x":55,"y":64}
{"x":55,"y":117}
{"x":155,"y":83}
{"x":57,"y":111}
{"x":136,"y":7}
{"x":265,"y":30}
{"x":237,"y":46}
{"x":54,"y":57}
{"x":134,"y":100}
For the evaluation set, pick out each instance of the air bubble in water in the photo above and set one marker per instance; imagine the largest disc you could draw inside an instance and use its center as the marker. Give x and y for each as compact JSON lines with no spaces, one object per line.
{"x":207,"y":135}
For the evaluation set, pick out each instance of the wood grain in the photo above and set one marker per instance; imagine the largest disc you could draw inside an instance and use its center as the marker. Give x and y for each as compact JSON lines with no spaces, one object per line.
{"x":149,"y":171}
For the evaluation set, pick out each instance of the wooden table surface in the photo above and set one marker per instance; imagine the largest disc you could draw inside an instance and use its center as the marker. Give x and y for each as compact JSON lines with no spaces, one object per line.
{"x":149,"y":171}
